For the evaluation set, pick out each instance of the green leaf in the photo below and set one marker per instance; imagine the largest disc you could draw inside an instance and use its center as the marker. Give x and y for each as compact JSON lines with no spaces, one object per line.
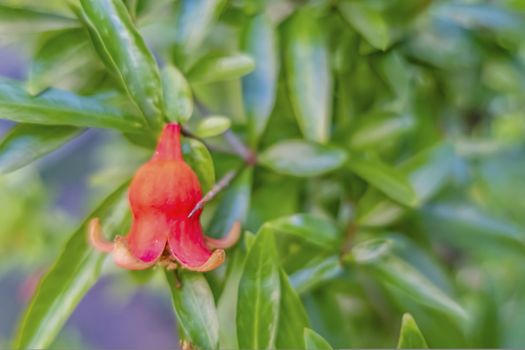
{"x":233,"y":205}
{"x":129,"y":56}
{"x":308,"y":75}
{"x":379,"y":129}
{"x":367,"y":22}
{"x":177,"y":95}
{"x":385,"y":178}
{"x":319,"y":231}
{"x":199,"y":159}
{"x":319,"y":270}
{"x":394,"y":272}
{"x":194,"y":19}
{"x":213,"y":68}
{"x":410,"y":336}
{"x":292,"y":317}
{"x":301,"y":158}
{"x":26,"y":143}
{"x":212,"y":126}
{"x":260,"y":86}
{"x":259,"y":295}
{"x":72,"y":275}
{"x":18,"y":20}
{"x":428,"y":171}
{"x":58,"y":58}
{"x":314,"y":341}
{"x":227,"y":304}
{"x":463,"y":224}
{"x":57,"y":107}
{"x":195,"y":309}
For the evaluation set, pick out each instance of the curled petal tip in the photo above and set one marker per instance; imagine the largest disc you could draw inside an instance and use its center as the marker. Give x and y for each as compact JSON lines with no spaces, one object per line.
{"x":123,"y":257}
{"x":96,"y":238}
{"x":227,"y":241}
{"x":214,"y":261}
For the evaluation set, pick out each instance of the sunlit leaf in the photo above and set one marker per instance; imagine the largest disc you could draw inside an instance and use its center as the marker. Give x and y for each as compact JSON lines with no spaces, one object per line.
{"x":215,"y":68}
{"x":410,"y":336}
{"x":314,"y":341}
{"x":177,"y":95}
{"x":367,"y":22}
{"x":212,"y":126}
{"x":128,"y":54}
{"x":58,"y":107}
{"x":195,"y":309}
{"x":259,"y":295}
{"x":301,"y":158}
{"x":259,"y":87}
{"x":308,"y":75}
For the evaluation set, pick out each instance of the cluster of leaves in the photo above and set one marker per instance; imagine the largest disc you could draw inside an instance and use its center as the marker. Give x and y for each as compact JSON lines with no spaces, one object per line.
{"x":389,"y":168}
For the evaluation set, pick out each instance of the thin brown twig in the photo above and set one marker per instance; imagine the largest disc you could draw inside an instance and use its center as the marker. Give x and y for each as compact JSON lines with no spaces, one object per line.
{"x":240,"y":148}
{"x":219,"y":186}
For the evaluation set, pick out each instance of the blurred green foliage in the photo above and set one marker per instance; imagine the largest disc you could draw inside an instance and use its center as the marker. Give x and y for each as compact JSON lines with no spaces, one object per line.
{"x":390,"y":172}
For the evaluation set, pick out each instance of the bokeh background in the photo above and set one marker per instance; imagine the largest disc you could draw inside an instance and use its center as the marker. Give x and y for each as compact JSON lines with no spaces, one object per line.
{"x":470,"y":57}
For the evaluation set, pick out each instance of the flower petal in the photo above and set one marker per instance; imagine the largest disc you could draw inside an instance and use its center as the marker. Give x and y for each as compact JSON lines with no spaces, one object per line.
{"x":227,"y":241}
{"x":186,"y":243}
{"x":124,"y":258}
{"x":96,"y":238}
{"x":148,"y":235}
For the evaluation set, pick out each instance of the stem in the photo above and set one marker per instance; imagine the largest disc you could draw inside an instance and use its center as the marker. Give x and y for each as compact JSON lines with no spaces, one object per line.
{"x":249,"y":156}
{"x":219,"y":186}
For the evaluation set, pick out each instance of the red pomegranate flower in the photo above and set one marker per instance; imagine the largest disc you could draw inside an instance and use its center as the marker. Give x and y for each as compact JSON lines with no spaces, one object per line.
{"x":162,"y":194}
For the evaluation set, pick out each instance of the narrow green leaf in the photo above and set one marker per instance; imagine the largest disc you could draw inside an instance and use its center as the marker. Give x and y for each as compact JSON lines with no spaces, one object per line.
{"x":26,"y":143}
{"x":319,"y":270}
{"x":195,"y":309}
{"x":177,"y":95}
{"x":292,"y":317}
{"x":463,"y":224}
{"x":394,"y":272}
{"x":19,"y":21}
{"x":410,"y":336}
{"x":193,"y":21}
{"x":427,"y":172}
{"x":379,"y":129}
{"x":213,"y":68}
{"x":233,"y":205}
{"x":259,"y":295}
{"x":58,"y":107}
{"x":301,"y":158}
{"x":199,"y":159}
{"x":314,"y":341}
{"x":308,"y":75}
{"x":314,"y":229}
{"x":129,"y":56}
{"x":387,"y":179}
{"x":57,"y":58}
{"x":367,"y":22}
{"x":260,"y":86}
{"x":227,"y":304}
{"x":74,"y":272}
{"x":212,"y":126}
